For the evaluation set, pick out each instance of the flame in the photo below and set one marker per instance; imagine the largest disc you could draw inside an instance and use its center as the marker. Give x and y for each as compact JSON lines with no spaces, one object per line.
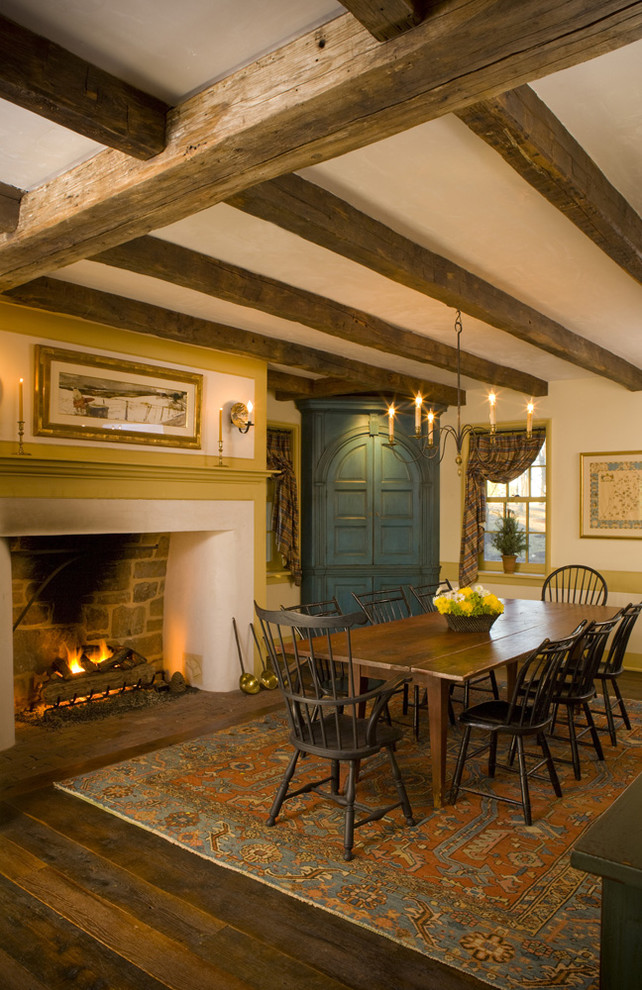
{"x":73,"y":660}
{"x":101,"y":652}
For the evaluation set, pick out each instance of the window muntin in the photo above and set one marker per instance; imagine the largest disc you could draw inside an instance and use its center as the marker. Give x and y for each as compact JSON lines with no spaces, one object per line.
{"x":526,"y":497}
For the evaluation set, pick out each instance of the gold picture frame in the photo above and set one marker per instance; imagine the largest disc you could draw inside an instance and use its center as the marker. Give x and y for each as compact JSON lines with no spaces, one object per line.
{"x":611,"y":495}
{"x":93,"y":397}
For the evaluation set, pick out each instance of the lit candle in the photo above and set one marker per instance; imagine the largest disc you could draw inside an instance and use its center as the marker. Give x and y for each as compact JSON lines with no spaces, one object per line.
{"x":492,"y":398}
{"x":391,"y":423}
{"x":21,"y":413}
{"x":431,"y":426}
{"x":250,"y":407}
{"x":529,"y":417}
{"x":220,"y":425}
{"x":418,"y":402}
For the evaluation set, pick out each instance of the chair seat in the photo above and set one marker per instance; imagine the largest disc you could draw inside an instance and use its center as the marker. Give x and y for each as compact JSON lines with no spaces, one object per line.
{"x":330,"y":734}
{"x":491,"y":714}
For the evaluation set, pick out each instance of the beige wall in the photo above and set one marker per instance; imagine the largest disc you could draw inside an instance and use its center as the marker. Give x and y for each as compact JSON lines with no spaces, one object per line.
{"x":584,"y":416}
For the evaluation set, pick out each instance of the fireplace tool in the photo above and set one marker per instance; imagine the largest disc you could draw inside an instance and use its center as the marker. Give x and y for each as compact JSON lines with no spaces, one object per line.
{"x":267,"y":677}
{"x":247,"y":682}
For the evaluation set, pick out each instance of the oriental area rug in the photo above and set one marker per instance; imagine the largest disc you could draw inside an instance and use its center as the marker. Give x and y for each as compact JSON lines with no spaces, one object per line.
{"x":471,"y":885}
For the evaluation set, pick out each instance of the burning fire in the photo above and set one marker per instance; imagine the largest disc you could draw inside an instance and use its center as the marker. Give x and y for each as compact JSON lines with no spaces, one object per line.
{"x":73,"y":660}
{"x":101,"y":652}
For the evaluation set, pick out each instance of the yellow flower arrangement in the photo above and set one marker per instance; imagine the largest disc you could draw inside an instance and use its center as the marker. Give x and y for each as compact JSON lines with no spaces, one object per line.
{"x":468,"y":601}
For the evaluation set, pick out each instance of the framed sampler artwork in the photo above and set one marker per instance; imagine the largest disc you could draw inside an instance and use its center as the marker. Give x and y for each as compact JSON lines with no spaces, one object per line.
{"x":611,"y":495}
{"x":83,"y":396}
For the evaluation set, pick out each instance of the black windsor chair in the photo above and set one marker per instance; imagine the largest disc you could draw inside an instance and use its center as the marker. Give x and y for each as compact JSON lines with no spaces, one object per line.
{"x":610,"y":669}
{"x":424,"y":595}
{"x":575,"y":687}
{"x":325,"y":721}
{"x":388,"y":606}
{"x":575,"y":583}
{"x":527,"y":713}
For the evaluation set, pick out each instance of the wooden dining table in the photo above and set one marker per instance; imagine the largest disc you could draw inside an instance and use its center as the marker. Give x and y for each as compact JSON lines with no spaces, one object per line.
{"x":435,"y":657}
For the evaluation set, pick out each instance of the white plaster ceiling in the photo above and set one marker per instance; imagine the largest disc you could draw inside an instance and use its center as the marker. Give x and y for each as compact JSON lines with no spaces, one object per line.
{"x":437,"y":183}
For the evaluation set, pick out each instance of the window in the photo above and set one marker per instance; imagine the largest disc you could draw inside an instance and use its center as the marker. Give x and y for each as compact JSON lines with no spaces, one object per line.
{"x":526,"y":497}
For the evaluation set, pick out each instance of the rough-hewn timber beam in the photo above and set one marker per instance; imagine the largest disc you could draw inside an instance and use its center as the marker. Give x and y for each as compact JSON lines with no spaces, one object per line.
{"x":57,"y":296}
{"x":536,"y":144}
{"x":9,"y":206}
{"x":42,"y":77}
{"x":291,"y":387}
{"x":329,"y":92}
{"x":386,"y":19}
{"x":319,"y":216}
{"x":181,"y":266}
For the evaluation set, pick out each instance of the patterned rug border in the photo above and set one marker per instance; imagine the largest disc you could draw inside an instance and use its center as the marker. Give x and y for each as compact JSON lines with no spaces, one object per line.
{"x":574,"y":973}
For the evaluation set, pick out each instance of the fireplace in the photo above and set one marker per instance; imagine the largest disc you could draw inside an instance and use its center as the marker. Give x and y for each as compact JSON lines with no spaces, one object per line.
{"x":74,"y":595}
{"x":209,"y":576}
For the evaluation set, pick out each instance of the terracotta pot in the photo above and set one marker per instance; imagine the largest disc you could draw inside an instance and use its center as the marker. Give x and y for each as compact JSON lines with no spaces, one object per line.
{"x":509,"y":562}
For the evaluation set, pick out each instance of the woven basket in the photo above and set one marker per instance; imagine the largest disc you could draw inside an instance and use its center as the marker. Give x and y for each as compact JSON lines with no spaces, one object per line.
{"x":470,"y":623}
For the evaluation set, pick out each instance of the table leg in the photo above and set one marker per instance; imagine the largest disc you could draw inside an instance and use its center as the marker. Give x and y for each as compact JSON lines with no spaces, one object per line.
{"x":438,"y":690}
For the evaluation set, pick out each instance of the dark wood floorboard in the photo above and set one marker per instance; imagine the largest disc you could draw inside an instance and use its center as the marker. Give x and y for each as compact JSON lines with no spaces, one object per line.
{"x":89,"y":901}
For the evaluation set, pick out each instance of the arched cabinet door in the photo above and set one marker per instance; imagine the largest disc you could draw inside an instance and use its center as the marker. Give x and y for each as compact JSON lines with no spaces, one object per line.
{"x":369,"y":519}
{"x":372,"y":506}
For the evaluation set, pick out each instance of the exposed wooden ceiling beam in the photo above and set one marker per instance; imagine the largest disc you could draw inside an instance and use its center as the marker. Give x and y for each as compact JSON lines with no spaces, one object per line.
{"x":329,"y":92}
{"x":319,"y":216}
{"x":181,"y":266}
{"x":536,"y":144}
{"x":291,"y":387}
{"x":9,"y":206}
{"x":42,"y":77}
{"x":386,"y":19}
{"x":57,"y":296}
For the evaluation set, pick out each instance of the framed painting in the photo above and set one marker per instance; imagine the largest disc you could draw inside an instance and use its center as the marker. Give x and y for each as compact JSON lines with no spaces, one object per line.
{"x":91,"y":397}
{"x":611,"y":495}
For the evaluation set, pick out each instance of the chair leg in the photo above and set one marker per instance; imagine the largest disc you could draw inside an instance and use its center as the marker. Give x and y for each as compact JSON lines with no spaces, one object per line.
{"x":456,"y":781}
{"x":610,"y":721}
{"x":550,"y":765}
{"x":348,"y":835}
{"x":334,"y":777}
{"x":404,"y":707}
{"x":523,"y":781}
{"x":283,"y":789}
{"x":401,"y":787}
{"x":572,"y":737}
{"x":625,"y":714}
{"x":594,"y":736}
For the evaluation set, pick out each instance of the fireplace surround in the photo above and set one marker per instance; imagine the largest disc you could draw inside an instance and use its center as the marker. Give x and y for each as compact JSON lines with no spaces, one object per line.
{"x":210,"y":576}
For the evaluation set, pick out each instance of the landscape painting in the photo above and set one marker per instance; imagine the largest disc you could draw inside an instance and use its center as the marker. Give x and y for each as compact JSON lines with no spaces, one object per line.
{"x":91,"y":397}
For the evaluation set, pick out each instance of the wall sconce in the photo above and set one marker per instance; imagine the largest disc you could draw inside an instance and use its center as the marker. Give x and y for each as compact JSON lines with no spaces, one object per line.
{"x":240,"y":415}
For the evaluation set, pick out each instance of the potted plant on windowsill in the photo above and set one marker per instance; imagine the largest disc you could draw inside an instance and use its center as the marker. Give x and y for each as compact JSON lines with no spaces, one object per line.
{"x":510,"y":540}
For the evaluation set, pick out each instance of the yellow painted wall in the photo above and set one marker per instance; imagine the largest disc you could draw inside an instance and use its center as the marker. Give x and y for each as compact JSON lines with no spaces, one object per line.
{"x":60,"y":468}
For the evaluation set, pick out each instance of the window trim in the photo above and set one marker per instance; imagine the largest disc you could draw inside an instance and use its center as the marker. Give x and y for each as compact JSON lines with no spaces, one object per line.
{"x":536,"y":571}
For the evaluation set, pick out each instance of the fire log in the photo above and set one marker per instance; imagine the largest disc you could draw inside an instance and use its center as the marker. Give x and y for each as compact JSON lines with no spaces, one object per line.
{"x":98,"y":682}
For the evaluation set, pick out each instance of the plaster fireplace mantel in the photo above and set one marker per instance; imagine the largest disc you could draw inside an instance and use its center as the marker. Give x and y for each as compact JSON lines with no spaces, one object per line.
{"x":210,"y":573}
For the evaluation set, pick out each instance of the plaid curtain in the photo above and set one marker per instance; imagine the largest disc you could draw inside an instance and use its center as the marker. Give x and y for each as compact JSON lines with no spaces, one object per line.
{"x":285,"y":512}
{"x":500,"y":461}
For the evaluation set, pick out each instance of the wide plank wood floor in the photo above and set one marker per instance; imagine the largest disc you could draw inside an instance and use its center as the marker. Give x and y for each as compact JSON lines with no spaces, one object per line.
{"x":88,"y":901}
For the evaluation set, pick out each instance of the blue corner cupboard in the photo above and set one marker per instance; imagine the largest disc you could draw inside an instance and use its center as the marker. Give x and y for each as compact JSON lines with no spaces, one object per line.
{"x":369,"y":518}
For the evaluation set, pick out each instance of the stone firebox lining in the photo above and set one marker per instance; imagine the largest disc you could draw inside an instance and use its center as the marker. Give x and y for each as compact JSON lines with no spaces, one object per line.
{"x":87,"y":588}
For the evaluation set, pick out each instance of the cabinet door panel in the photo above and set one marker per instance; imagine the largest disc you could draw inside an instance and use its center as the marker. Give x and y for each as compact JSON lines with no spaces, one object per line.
{"x":349,"y":505}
